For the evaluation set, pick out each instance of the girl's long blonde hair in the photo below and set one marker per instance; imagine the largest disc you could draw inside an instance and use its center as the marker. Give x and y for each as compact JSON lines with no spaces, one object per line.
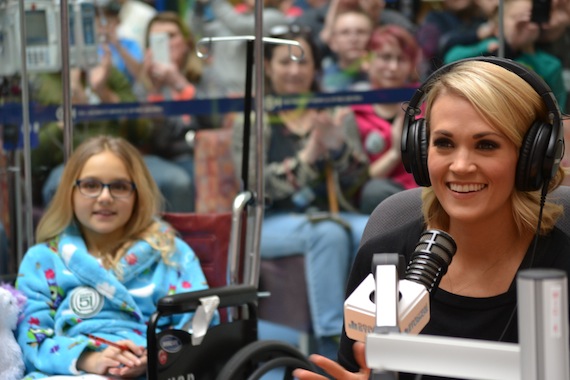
{"x":143,"y":223}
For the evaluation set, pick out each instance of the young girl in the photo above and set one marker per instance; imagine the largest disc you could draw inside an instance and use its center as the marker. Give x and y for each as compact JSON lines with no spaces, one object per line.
{"x":102,"y":262}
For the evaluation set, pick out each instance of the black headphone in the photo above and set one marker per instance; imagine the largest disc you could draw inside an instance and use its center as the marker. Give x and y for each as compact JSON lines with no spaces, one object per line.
{"x":542,"y":148}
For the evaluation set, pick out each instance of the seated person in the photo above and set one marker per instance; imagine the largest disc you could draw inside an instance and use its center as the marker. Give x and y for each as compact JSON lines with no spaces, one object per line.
{"x":455,"y":22}
{"x":306,"y":149}
{"x":100,"y":84}
{"x":102,"y":261}
{"x":478,"y":115}
{"x":393,"y":63}
{"x":521,"y":37}
{"x":126,"y":53}
{"x":343,"y":70}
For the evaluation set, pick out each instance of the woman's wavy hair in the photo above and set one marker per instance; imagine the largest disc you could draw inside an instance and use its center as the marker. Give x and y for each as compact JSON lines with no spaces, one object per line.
{"x":193,"y":68}
{"x":143,"y":223}
{"x":508,"y":103}
{"x":399,"y":36}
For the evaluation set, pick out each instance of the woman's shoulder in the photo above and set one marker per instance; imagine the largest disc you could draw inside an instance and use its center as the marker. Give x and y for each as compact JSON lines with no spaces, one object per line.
{"x":555,"y":251}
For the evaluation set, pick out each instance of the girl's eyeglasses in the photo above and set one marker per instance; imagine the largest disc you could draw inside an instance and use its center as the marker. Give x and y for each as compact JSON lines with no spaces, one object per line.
{"x":93,"y":188}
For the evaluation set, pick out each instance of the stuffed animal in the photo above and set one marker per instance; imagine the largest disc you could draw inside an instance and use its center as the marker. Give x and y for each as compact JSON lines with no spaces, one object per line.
{"x":11,"y":361}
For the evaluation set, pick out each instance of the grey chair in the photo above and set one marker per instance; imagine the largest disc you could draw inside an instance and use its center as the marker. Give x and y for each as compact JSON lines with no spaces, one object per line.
{"x":406,"y":205}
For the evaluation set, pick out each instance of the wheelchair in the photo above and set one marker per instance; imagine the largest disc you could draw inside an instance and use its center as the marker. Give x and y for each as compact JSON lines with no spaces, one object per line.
{"x":229,"y":350}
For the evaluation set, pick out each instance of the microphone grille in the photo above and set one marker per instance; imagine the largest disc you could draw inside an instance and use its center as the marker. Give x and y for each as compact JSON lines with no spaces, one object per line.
{"x":439,"y":243}
{"x":431,"y":258}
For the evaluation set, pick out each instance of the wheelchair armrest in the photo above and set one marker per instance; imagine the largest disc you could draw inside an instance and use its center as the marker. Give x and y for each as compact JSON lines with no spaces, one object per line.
{"x":231,"y":295}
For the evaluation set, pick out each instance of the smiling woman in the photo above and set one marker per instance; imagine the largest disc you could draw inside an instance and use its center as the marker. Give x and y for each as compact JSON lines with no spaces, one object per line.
{"x":487,"y":153}
{"x":102,"y":261}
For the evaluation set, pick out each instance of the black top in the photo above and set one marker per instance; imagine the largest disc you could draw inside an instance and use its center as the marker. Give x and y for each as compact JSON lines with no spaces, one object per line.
{"x":452,"y":315}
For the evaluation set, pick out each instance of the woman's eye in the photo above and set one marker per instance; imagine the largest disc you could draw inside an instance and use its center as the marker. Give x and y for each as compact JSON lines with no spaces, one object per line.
{"x":487,"y":145}
{"x":442,"y":143}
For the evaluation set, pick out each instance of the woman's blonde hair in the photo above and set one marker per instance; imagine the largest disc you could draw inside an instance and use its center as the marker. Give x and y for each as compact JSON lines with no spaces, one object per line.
{"x":511,"y":105}
{"x":193,"y":68}
{"x":143,"y":222}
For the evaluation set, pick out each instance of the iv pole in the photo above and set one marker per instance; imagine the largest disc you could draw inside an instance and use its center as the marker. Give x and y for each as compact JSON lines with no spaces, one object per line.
{"x":249,"y":197}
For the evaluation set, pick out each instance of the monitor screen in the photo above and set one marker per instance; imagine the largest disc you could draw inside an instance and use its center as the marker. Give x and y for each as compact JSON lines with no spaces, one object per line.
{"x":36,"y":28}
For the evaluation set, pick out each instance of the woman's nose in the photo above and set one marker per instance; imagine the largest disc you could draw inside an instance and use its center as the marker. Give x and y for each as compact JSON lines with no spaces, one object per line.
{"x":462,"y":161}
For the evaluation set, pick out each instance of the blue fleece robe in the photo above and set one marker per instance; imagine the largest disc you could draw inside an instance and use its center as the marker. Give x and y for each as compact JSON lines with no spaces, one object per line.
{"x":70,"y":294}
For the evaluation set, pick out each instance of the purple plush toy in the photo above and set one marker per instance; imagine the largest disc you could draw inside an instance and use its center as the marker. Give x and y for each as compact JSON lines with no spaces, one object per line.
{"x":11,"y":362}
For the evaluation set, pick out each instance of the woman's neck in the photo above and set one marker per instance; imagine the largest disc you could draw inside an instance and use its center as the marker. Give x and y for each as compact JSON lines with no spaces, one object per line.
{"x":487,"y":258}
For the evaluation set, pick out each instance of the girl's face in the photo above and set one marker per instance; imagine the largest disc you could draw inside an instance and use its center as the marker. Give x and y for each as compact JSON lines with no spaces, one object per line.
{"x":471,"y":165}
{"x":177,"y":43}
{"x":103,"y":218}
{"x":389,"y":67}
{"x":289,"y":76}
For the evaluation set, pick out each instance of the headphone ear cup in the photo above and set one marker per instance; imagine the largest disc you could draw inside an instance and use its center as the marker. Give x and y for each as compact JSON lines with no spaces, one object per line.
{"x":418,"y":148}
{"x":531,"y":173}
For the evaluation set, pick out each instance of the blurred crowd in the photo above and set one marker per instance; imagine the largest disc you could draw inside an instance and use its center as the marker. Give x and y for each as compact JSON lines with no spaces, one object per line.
{"x":326,"y":170}
{"x":148,"y":53}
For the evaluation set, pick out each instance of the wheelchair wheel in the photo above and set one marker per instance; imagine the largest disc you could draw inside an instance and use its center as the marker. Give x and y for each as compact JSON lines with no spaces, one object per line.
{"x":288,"y":362}
{"x":261,"y":356}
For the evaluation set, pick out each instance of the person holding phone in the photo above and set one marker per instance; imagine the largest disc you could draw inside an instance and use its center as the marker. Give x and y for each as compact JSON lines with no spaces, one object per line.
{"x":521,"y":36}
{"x":172,"y":71}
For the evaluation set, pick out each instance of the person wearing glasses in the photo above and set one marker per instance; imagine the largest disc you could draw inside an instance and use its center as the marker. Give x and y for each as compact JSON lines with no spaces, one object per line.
{"x":102,"y":261}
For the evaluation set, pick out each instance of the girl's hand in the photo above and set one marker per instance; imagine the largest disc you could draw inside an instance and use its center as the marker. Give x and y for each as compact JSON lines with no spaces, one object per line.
{"x":114,"y":361}
{"x":336,"y":370}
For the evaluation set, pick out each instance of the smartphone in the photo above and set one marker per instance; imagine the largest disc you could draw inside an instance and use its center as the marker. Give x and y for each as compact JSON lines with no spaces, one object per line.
{"x":541,"y":11}
{"x":160,"y":47}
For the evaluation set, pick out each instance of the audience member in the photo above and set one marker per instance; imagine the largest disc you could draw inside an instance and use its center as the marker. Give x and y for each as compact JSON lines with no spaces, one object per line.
{"x":228,"y":22}
{"x":126,"y":54}
{"x":343,"y":70}
{"x":460,"y":21}
{"x":135,"y":16}
{"x":478,"y":115}
{"x":102,"y":261}
{"x":320,"y":19}
{"x":555,"y":39}
{"x":520,"y":40}
{"x":288,"y":7}
{"x":100,"y":84}
{"x":180,"y":76}
{"x":394,"y":59}
{"x":302,"y":217}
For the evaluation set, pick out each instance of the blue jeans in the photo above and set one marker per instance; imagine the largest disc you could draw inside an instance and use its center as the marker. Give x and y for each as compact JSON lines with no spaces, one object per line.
{"x":173,"y":180}
{"x":329,"y":250}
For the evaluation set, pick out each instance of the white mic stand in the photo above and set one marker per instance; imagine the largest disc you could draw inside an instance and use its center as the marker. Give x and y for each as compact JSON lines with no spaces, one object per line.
{"x":542,"y":354}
